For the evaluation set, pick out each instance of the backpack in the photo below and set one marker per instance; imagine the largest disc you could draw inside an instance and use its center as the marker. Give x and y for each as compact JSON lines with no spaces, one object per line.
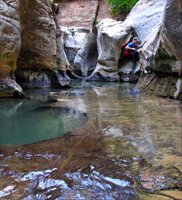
{"x":124,"y":52}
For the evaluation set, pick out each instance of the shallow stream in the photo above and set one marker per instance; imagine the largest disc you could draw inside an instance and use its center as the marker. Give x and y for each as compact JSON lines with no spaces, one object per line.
{"x":93,"y":141}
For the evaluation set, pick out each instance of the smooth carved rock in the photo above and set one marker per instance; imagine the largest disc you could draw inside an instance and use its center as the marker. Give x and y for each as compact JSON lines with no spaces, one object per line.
{"x":162,"y":36}
{"x":86,"y":58}
{"x":74,"y":40}
{"x":38,"y":34}
{"x":110,"y":36}
{"x":37,"y":59}
{"x":160,"y":33}
{"x":9,"y":88}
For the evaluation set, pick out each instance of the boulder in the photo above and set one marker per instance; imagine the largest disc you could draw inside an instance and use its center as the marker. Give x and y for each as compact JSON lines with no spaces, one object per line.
{"x":75,"y":44}
{"x":159,"y":33}
{"x":111,"y":34}
{"x":161,"y":36}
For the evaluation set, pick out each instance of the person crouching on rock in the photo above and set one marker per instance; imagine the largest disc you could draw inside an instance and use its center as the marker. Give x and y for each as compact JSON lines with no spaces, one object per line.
{"x":131,"y":50}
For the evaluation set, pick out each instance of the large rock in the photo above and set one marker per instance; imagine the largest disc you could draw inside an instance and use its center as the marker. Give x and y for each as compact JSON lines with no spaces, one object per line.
{"x":158,"y":31}
{"x":74,"y":40}
{"x":110,"y":36}
{"x":152,"y":21}
{"x":10,"y":43}
{"x":75,"y":43}
{"x":9,"y":88}
{"x":162,"y":38}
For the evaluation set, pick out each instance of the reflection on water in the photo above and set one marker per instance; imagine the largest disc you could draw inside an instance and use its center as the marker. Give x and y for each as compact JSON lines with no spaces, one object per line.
{"x":31,"y":121}
{"x":131,"y":142}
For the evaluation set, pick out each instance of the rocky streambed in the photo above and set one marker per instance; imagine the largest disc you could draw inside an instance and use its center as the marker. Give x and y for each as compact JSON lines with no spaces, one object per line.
{"x":129,"y":147}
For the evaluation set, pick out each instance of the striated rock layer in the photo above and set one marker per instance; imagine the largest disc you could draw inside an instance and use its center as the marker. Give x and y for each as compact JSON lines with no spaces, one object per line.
{"x":27,"y":45}
{"x":166,"y":57}
{"x":37,"y":59}
{"x":10,"y":43}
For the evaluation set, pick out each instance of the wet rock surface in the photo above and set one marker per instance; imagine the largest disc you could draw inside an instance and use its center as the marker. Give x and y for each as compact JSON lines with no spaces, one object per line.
{"x":161,"y":85}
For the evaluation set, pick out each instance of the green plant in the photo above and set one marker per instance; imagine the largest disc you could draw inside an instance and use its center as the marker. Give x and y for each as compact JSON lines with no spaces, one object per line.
{"x":121,"y":5}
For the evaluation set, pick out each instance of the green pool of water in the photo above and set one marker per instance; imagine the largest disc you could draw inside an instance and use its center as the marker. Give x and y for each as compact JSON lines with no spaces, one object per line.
{"x":29,"y":121}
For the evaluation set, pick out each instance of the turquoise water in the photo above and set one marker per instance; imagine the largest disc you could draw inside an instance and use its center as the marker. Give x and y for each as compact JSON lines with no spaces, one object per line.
{"x":29,"y":121}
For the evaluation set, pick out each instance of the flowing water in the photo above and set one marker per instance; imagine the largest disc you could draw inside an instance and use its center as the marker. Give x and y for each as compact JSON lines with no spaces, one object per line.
{"x":93,"y":141}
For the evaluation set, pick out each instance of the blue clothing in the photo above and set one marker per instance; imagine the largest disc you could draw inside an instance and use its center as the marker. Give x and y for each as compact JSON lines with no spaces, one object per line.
{"x":132,"y":45}
{"x":134,"y":54}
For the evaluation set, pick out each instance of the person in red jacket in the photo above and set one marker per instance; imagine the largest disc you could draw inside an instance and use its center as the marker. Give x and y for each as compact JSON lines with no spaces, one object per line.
{"x":131,"y":51}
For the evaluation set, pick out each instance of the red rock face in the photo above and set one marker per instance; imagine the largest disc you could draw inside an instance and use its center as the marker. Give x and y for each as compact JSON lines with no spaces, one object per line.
{"x":82,"y":13}
{"x":78,"y":13}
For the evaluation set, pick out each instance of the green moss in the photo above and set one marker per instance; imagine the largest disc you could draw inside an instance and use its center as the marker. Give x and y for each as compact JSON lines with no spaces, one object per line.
{"x":121,"y":5}
{"x":54,"y":65}
{"x":8,"y":59}
{"x":95,"y":22}
{"x":162,"y":54}
{"x":164,"y":67}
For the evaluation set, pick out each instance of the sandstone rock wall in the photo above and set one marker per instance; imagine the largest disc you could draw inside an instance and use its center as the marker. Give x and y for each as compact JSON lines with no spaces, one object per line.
{"x":10,"y":40}
{"x":37,"y":58}
{"x":166,"y":80}
{"x":38,"y":34}
{"x":27,"y":43}
{"x":77,"y":13}
{"x":10,"y":43}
